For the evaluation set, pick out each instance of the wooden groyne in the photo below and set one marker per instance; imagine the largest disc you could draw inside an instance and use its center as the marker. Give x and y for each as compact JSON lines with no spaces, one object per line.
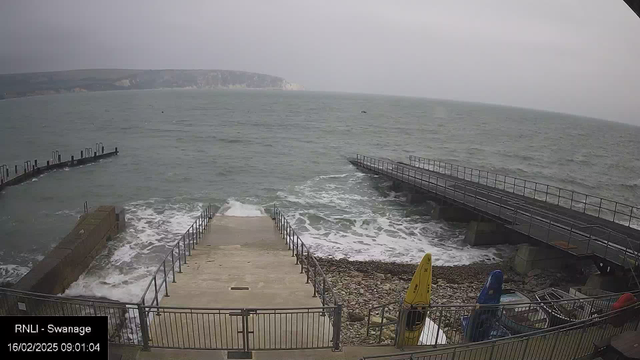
{"x":30,"y":170}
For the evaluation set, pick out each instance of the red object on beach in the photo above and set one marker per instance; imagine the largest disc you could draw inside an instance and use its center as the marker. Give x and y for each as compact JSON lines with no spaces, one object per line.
{"x":625,"y":300}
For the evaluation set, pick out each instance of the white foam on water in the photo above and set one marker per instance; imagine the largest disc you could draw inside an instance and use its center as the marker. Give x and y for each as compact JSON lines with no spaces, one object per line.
{"x":235,"y":208}
{"x":345,"y":216}
{"x":124,"y":269}
{"x":12,"y":273}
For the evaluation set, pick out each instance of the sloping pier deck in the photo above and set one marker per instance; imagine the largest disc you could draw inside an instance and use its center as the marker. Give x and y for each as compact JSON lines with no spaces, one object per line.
{"x":578,"y":233}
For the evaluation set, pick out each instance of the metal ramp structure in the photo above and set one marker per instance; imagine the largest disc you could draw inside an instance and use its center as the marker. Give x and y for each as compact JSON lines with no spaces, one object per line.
{"x":582,"y":225}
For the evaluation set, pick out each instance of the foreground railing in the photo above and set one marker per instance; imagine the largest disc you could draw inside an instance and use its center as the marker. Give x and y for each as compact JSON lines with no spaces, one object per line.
{"x":308,"y":263}
{"x":560,"y":232}
{"x":565,"y":342}
{"x":175,"y":258}
{"x":123,"y":318}
{"x":245,"y":329}
{"x":462,"y":323}
{"x":612,"y":210}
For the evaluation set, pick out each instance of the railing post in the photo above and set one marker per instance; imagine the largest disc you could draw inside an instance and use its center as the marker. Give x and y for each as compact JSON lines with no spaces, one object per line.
{"x":300,"y":257}
{"x":546,"y":194}
{"x":600,"y":207}
{"x":184,"y":247}
{"x":324,"y":285}
{"x":143,"y":327}
{"x":166,"y":284}
{"x":179,"y":259}
{"x":315,"y":282}
{"x":287,"y":234}
{"x":155,"y":287}
{"x":337,"y":326}
{"x":438,"y":328}
{"x":307,"y":263}
{"x":173,"y":266}
{"x":245,"y":330}
{"x":571,"y":206}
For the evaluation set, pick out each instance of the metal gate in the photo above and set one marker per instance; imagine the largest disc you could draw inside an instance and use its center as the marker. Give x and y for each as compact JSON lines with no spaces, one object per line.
{"x":242,"y":329}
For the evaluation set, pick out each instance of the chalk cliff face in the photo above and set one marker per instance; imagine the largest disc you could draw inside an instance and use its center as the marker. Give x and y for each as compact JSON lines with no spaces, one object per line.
{"x":31,"y":84}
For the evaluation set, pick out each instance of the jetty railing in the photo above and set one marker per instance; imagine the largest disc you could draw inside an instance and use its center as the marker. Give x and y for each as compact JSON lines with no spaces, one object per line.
{"x":607,"y":209}
{"x":175,"y":258}
{"x":560,"y":232}
{"x":31,"y":169}
{"x":461,"y":323}
{"x":570,"y":341}
{"x":123,"y":318}
{"x":308,"y":264}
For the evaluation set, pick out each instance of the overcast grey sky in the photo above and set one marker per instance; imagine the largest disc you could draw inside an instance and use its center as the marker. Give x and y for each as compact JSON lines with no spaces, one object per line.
{"x":575,"y":56}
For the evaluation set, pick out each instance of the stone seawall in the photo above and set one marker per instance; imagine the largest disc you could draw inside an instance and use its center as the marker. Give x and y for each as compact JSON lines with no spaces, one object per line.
{"x":73,"y":255}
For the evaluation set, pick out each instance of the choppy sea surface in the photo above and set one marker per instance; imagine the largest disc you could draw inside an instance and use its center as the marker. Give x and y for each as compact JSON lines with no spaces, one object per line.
{"x":244,"y":150}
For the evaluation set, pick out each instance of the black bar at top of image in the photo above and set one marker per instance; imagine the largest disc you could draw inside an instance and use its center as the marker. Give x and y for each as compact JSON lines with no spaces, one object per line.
{"x":47,"y":337}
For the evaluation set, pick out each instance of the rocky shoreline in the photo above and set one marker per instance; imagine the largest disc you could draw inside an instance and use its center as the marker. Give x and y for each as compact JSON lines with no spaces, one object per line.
{"x":364,"y":284}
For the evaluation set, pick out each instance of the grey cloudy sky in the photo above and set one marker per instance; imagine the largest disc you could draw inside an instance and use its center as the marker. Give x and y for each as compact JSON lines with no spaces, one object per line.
{"x":576,"y":56}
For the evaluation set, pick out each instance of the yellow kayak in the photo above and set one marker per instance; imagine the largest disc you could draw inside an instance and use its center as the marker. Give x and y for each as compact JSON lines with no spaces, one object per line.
{"x":417,"y":299}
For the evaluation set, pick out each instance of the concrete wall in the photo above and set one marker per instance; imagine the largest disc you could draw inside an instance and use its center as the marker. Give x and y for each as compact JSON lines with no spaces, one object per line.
{"x":71,"y":257}
{"x":485,"y":233}
{"x":531,"y":257}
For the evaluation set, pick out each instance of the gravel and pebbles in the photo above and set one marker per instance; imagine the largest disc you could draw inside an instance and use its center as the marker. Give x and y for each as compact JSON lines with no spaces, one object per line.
{"x":364,"y":284}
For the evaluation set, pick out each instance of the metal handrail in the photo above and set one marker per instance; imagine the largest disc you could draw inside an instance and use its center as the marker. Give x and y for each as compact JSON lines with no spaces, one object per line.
{"x":297,"y":247}
{"x":492,"y":180}
{"x":592,"y":306}
{"x":631,"y":318}
{"x":188,"y":240}
{"x":477,"y":306}
{"x":466,"y":195}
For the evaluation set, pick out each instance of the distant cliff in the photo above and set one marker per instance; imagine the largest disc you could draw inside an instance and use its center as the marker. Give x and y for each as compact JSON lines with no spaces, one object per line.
{"x":58,"y":82}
